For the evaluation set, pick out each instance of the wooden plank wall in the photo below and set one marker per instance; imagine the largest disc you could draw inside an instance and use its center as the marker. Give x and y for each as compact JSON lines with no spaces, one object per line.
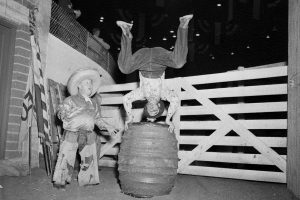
{"x":208,"y":145}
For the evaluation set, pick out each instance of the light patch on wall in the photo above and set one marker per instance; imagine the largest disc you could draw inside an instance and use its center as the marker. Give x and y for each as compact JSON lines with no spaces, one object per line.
{"x":63,"y":60}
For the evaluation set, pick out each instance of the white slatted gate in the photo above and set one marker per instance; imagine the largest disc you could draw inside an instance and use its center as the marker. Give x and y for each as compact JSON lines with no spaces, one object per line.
{"x":231,"y":132}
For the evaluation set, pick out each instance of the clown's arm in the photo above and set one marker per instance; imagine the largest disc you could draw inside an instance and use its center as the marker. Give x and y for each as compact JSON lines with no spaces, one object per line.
{"x":103,"y":124}
{"x":65,"y":109}
{"x":68,"y":112}
{"x":172,"y":97}
{"x":128,"y":99}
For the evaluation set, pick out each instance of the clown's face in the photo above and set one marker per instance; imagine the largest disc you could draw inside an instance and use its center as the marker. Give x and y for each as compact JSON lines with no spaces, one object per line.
{"x":85,"y":88}
{"x":152,"y":107}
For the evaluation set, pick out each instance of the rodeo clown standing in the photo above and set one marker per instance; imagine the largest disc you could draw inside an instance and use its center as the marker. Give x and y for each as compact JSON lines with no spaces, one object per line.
{"x":151,"y":63}
{"x":79,"y":114}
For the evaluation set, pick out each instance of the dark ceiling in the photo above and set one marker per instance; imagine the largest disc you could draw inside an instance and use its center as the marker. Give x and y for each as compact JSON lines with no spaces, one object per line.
{"x":223,"y":34}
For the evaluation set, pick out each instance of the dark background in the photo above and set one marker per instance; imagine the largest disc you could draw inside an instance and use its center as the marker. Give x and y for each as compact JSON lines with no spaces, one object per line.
{"x":223,"y":34}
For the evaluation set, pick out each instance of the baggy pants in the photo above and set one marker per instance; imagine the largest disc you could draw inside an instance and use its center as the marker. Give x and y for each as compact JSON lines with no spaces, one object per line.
{"x":152,"y":62}
{"x":88,"y":174}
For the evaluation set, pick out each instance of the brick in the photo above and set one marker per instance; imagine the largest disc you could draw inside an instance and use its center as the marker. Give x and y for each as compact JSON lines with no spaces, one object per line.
{"x":21,"y":60}
{"x":23,"y":34}
{"x":19,"y":85}
{"x":24,"y":27}
{"x":19,"y":77}
{"x":12,"y":154}
{"x":13,"y":128}
{"x":16,"y":101}
{"x":16,"y":12}
{"x":34,"y":2}
{"x":14,"y":119}
{"x":15,"y":110}
{"x":17,"y":93}
{"x":28,"y":4}
{"x":21,"y":68}
{"x":11,"y":145}
{"x":12,"y":137}
{"x":23,"y":52}
{"x":19,"y":1}
{"x":23,"y":43}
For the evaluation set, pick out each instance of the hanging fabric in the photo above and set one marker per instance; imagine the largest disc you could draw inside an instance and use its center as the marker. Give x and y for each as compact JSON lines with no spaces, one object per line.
{"x":40,"y":95}
{"x":24,"y":142}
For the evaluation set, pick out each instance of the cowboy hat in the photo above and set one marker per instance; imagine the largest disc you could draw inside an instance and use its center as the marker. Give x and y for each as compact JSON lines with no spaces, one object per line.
{"x":82,"y":74}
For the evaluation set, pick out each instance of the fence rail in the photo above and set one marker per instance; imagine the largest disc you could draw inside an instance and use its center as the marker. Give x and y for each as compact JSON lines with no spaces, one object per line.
{"x":235,"y":129}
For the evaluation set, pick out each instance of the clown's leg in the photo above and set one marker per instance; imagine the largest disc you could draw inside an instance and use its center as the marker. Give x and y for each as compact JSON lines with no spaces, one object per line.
{"x":184,"y":20}
{"x":65,"y":163}
{"x":180,"y":50}
{"x":126,"y":27}
{"x":88,"y":174}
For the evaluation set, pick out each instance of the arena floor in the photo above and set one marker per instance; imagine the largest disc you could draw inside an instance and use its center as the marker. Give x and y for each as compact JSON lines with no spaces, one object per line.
{"x":38,"y":187}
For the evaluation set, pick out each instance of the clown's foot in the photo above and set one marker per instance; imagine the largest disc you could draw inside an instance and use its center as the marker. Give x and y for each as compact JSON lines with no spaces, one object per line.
{"x":126,"y":27}
{"x":184,"y":20}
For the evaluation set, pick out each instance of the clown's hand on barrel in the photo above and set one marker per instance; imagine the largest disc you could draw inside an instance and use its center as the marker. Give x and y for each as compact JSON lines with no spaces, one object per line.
{"x":128,"y":121}
{"x":171,"y":125}
{"x":112,"y":130}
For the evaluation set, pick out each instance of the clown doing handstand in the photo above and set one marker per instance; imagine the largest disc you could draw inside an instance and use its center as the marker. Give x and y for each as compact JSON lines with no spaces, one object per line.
{"x":151,"y":63}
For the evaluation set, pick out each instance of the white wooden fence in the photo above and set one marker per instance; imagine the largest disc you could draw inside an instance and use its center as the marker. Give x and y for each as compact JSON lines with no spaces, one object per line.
{"x":230,"y":125}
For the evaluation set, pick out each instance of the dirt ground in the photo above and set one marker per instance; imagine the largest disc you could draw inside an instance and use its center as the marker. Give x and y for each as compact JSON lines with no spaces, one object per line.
{"x":38,"y":187}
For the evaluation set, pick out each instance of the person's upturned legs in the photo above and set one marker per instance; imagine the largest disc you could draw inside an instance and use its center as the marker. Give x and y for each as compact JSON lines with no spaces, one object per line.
{"x":181,"y":45}
{"x":125,"y":58}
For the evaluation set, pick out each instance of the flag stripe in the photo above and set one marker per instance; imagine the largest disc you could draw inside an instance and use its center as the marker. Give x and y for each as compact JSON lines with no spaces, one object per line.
{"x":39,"y":81}
{"x":40,"y":96}
{"x":26,"y":117}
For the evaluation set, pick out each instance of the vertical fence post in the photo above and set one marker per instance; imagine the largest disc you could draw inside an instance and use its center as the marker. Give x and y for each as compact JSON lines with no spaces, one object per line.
{"x":293,"y":149}
{"x":176,"y":117}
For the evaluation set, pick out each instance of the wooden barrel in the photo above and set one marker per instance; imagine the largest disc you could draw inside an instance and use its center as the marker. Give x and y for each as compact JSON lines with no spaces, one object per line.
{"x":148,"y":160}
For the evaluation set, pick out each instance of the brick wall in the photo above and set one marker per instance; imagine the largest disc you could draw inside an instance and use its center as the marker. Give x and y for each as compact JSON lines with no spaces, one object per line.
{"x":19,"y":80}
{"x":27,"y":3}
